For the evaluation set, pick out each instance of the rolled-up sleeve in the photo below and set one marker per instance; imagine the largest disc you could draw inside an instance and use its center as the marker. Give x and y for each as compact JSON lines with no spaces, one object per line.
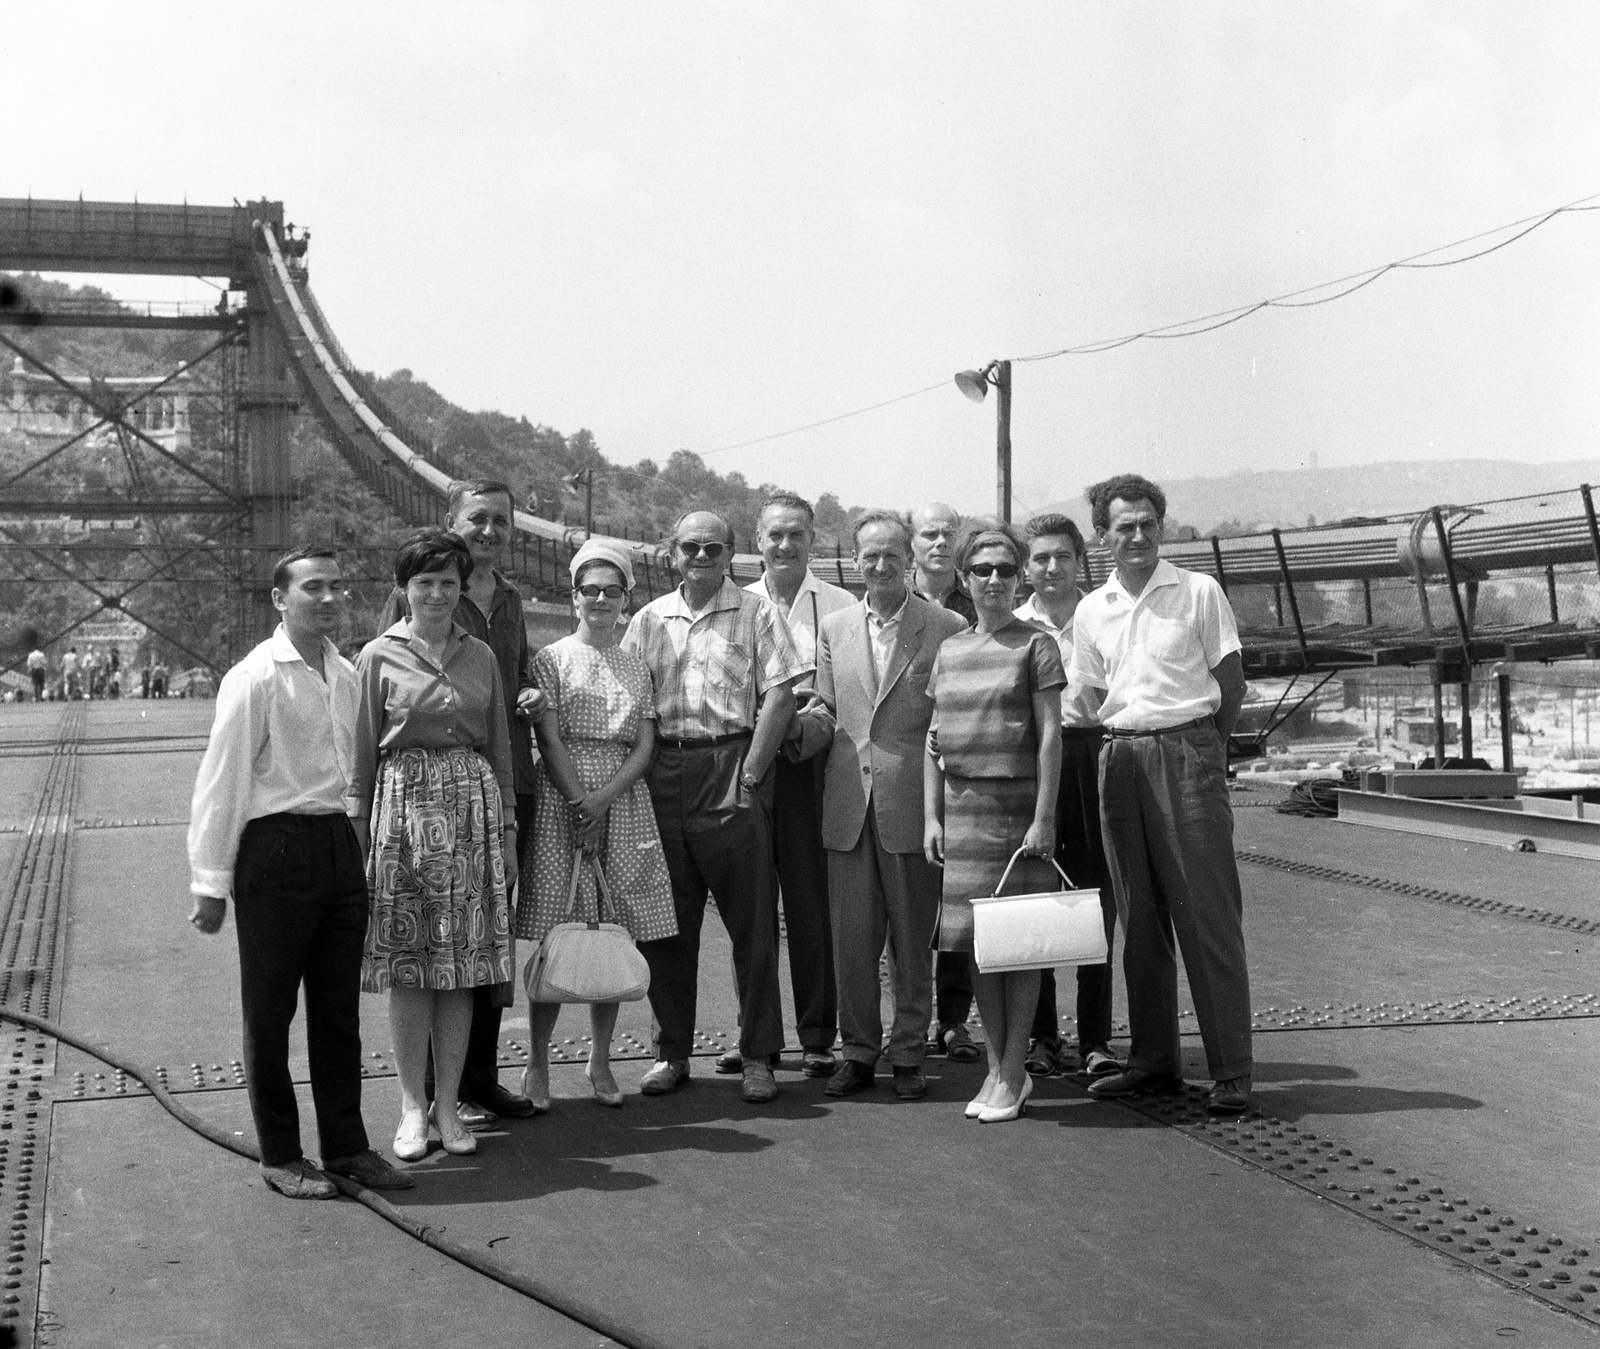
{"x":221,"y":805}
{"x":778,"y":661}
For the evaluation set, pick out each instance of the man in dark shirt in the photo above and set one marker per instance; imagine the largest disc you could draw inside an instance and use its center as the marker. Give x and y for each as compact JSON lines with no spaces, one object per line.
{"x":491,"y":610}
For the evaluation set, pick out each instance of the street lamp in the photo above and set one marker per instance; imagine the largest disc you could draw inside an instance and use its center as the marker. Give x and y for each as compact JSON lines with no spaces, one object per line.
{"x":975,"y":385}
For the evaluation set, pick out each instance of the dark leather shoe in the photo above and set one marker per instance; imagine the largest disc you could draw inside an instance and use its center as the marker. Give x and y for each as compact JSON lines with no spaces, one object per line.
{"x":475,"y":1116}
{"x":299,"y":1180}
{"x":818,"y":1063}
{"x":852,"y":1076}
{"x":759,"y":1084}
{"x":1230,"y":1096}
{"x":369,"y":1169}
{"x":506,"y":1104}
{"x":909,"y":1084}
{"x":1134,"y":1082}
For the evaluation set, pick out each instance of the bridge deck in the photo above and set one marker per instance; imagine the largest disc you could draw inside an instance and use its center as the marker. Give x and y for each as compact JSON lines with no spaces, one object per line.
{"x":1426,"y":1082}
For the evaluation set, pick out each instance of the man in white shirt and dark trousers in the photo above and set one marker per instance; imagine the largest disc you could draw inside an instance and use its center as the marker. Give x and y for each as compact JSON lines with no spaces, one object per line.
{"x":269,"y":825}
{"x":1160,"y":648}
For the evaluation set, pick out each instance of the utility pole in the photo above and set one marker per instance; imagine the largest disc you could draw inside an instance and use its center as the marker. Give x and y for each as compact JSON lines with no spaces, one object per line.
{"x":1002,"y":439}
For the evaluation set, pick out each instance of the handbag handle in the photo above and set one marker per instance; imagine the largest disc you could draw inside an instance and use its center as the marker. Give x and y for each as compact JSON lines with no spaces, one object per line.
{"x":1066,"y":880}
{"x":603,"y":900}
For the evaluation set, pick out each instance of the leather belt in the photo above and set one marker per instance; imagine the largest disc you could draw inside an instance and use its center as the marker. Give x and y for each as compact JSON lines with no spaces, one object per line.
{"x":1117,"y":733}
{"x":708,"y":742}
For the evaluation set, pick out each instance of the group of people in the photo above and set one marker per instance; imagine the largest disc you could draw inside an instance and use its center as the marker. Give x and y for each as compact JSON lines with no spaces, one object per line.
{"x":94,"y":674}
{"x":867,"y":766}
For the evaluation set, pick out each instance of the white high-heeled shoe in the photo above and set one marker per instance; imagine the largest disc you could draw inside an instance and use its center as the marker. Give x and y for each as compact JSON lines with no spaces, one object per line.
{"x":612,"y":1098}
{"x":979,"y":1103}
{"x":995,"y":1114}
{"x":541,"y":1100}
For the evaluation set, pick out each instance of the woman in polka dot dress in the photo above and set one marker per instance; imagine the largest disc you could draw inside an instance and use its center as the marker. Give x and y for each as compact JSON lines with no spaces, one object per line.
{"x":595,"y":738}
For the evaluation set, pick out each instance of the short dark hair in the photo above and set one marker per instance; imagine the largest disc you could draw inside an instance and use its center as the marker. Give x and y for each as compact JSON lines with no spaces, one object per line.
{"x":794,"y":501}
{"x":476,"y":487}
{"x":984,"y":532}
{"x":1130,"y":487}
{"x":703,"y":510}
{"x":281,"y":568}
{"x":1053,"y":526}
{"x":879,"y":516}
{"x":432,"y":549}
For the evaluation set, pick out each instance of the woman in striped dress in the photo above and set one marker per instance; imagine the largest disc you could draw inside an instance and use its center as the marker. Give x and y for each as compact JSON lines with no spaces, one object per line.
{"x":990,"y":783}
{"x":596,"y":738}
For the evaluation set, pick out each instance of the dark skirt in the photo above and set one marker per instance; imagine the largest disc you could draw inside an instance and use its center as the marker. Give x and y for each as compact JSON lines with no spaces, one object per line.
{"x":985,"y":820}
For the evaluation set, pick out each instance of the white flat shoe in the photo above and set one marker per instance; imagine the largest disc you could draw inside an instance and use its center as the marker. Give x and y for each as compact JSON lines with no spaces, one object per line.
{"x":411,"y":1139}
{"x":454,"y":1137}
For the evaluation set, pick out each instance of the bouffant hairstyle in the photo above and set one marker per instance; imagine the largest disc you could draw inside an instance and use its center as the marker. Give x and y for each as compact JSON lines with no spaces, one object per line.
{"x":1054,"y":526}
{"x":987,"y":532}
{"x":432,"y":549}
{"x":1128,"y":486}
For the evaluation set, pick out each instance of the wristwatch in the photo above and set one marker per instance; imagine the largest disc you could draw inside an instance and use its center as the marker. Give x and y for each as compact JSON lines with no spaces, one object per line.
{"x":749,"y":781}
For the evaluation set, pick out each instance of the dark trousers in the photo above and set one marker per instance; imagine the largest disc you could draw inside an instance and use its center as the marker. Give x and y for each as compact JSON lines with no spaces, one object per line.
{"x":480,"y":1076}
{"x":876,"y":896}
{"x":803,"y":888}
{"x":300,"y":908}
{"x":717,"y":839}
{"x":952,"y":979}
{"x":1080,"y":852}
{"x":1169,"y":843}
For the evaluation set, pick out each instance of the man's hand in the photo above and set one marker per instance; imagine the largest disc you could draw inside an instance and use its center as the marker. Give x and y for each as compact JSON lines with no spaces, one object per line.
{"x":209,"y":911}
{"x":532,"y":704}
{"x":933,"y":842}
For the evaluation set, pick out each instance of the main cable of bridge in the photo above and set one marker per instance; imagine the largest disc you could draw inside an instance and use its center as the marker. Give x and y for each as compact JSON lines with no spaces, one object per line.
{"x":1306,"y":297}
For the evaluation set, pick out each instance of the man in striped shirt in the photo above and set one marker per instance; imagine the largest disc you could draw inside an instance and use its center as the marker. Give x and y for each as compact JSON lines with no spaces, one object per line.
{"x":723,"y":664}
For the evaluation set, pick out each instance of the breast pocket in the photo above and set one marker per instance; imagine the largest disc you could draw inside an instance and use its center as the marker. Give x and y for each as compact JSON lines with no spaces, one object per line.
{"x":1169,"y":641}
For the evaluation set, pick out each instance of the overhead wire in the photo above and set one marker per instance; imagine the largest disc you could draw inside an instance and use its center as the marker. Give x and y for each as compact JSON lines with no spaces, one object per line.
{"x":1222,"y":318}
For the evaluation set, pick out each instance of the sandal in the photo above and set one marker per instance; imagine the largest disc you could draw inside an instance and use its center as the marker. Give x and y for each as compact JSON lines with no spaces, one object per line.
{"x":959,"y":1046}
{"x":1043,"y":1057}
{"x":1099,"y":1063}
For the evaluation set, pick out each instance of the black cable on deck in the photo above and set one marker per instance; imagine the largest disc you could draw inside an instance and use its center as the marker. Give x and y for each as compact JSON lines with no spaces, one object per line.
{"x":540,"y":1292}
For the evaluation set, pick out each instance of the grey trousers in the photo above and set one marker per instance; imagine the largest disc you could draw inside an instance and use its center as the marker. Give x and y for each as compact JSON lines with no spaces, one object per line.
{"x":874,"y":894}
{"x":1169,"y":847}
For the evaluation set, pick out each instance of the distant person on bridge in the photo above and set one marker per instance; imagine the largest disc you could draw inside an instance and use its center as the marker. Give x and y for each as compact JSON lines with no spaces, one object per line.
{"x":1157,"y":649}
{"x":269,"y":825}
{"x":786,"y":531}
{"x":873,"y":662}
{"x":935,"y":528}
{"x":71,"y":681}
{"x":433,"y":774}
{"x":723,"y":664}
{"x":37,"y":670}
{"x":480,"y":511}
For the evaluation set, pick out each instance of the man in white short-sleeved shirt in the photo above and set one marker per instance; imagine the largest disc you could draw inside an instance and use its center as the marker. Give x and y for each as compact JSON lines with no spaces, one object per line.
{"x":1160,"y":647}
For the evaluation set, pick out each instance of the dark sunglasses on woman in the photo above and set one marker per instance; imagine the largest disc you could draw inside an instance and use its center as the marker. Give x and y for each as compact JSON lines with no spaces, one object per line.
{"x":593,"y":592}
{"x":689,"y":548}
{"x":983,"y":570}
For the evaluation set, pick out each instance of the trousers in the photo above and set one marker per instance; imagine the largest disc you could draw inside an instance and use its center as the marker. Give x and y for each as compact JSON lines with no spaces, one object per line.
{"x":300,"y":910}
{"x":717,"y":840}
{"x":803,"y":872}
{"x":1168,"y":829}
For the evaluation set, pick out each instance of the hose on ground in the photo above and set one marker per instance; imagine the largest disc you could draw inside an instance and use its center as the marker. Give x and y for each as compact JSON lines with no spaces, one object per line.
{"x":518,"y":1282}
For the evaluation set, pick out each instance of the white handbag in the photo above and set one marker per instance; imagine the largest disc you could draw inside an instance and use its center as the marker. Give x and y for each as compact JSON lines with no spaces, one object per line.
{"x":1038,"y":931}
{"x":587,"y":962}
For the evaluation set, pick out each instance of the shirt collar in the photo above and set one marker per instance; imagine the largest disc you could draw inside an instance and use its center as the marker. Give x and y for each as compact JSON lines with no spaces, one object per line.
{"x":895,"y":617}
{"x":401,"y":632}
{"x":283,"y":648}
{"x":1165,"y":574}
{"x":678,"y":603}
{"x":808,"y":585}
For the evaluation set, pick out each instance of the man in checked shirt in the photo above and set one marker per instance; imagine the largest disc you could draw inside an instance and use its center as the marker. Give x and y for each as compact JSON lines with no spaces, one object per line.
{"x":724,"y":665}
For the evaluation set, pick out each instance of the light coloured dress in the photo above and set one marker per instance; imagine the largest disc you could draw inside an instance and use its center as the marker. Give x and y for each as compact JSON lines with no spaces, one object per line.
{"x":598,"y":698}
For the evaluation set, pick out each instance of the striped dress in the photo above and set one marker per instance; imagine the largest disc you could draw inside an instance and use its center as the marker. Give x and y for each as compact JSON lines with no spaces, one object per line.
{"x":983,"y":731}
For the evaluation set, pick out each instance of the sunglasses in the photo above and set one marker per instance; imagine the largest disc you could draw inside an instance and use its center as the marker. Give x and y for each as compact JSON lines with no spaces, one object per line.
{"x":984,"y":570}
{"x":712,"y":551}
{"x":593,"y":592}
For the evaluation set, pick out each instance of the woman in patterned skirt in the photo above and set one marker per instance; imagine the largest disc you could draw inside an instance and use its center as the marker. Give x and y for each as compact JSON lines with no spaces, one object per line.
{"x":433,"y":769}
{"x":989,"y":786}
{"x":596,"y":737}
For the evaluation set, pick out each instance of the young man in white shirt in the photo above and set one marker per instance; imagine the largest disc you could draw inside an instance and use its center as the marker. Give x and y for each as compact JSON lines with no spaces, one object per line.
{"x":1159,"y":648}
{"x":269,"y":826}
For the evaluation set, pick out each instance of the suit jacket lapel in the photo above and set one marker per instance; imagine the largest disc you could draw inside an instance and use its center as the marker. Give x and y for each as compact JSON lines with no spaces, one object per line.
{"x":911,"y":623}
{"x":857,"y":657}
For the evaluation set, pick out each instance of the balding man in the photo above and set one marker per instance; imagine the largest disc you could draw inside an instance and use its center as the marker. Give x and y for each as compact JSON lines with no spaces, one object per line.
{"x":723,"y":665}
{"x":934,"y":528}
{"x":785,"y":532}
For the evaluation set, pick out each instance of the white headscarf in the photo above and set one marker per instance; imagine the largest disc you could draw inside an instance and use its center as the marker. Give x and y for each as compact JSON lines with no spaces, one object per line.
{"x":603,"y":550}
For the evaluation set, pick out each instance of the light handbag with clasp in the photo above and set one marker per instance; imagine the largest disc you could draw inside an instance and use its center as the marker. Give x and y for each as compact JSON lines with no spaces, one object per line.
{"x":587,"y":962}
{"x":1037,"y":931}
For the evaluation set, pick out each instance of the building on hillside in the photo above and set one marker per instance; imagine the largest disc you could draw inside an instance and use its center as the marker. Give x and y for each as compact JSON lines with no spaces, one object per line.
{"x":35,"y":405}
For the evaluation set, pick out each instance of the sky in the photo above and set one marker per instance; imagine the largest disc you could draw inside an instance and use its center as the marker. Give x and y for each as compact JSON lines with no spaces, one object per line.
{"x":688,"y":226}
